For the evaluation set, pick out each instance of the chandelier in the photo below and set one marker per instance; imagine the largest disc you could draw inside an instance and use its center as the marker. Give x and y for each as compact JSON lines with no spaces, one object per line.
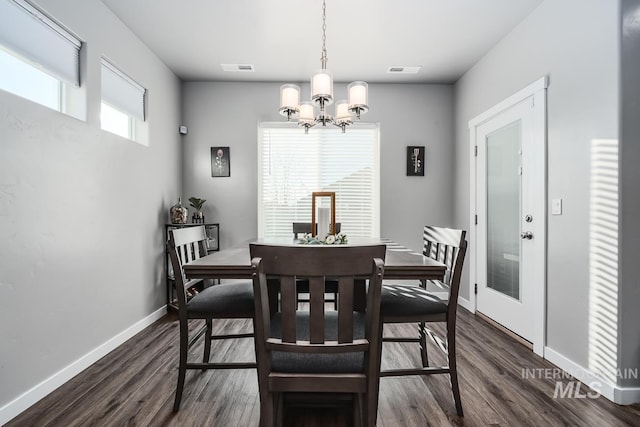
{"x":322,"y":95}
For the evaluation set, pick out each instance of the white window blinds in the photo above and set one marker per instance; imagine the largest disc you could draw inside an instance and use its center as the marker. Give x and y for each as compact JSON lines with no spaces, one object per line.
{"x":293,"y":164}
{"x":122,"y":92}
{"x":29,"y":33}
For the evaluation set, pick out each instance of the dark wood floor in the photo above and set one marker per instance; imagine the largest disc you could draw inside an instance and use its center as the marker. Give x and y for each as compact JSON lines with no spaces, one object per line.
{"x":134,"y":386}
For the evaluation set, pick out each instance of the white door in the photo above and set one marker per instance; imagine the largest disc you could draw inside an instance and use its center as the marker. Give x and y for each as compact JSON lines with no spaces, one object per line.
{"x":510,"y":209}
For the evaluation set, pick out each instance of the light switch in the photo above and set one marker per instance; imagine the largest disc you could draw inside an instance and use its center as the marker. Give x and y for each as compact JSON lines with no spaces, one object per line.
{"x":556,"y":207}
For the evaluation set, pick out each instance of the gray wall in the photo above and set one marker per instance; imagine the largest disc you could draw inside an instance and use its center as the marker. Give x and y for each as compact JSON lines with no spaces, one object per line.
{"x":575,"y":43}
{"x":229,"y":113}
{"x":629,"y":296}
{"x":81,"y":211}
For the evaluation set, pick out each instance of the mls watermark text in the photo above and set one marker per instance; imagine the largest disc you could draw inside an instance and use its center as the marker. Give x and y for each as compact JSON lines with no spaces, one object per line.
{"x":567,"y":387}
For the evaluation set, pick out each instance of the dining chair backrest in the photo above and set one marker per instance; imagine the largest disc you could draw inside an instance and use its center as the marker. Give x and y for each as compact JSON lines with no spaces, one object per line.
{"x":305,"y":228}
{"x":316,"y":263}
{"x":443,"y":245}
{"x":185,"y":245}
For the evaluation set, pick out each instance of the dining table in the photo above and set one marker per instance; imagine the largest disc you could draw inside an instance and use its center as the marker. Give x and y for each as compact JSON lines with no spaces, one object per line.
{"x":401,"y":263}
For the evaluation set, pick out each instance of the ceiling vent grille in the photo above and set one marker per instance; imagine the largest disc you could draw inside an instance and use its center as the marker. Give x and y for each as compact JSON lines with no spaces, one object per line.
{"x":238,"y":68}
{"x":395,"y":69}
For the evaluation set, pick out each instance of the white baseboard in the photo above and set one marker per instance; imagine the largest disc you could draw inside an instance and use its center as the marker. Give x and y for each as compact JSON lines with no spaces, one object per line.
{"x":615,"y":393}
{"x":30,"y":397}
{"x":626,"y":395}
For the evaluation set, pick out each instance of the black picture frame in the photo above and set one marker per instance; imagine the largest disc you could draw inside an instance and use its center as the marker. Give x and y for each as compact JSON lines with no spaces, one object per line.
{"x":415,"y":160}
{"x":220,"y":162}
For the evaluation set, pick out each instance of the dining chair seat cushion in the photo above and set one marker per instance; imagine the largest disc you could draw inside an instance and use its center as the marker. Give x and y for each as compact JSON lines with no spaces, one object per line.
{"x":318,"y":363}
{"x":233,"y":300}
{"x":409,"y":300}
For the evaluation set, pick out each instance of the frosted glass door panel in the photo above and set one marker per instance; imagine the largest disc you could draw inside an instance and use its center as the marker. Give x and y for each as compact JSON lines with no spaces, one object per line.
{"x":503,"y":210}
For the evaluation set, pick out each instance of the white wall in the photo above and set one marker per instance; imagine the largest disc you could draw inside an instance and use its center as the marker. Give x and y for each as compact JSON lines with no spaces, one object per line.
{"x":81,"y":211}
{"x":574,"y":42}
{"x":227,"y":114}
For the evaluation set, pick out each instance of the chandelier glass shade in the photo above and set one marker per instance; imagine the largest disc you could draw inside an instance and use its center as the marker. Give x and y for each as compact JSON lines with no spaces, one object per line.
{"x":289,"y":100}
{"x":322,"y":96}
{"x":307,"y":116}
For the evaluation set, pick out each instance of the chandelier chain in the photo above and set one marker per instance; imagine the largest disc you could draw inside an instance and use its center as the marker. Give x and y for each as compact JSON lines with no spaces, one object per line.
{"x":324,"y":35}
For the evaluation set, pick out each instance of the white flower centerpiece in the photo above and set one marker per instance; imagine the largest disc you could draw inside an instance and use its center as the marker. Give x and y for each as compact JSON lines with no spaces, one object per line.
{"x":331,"y":239}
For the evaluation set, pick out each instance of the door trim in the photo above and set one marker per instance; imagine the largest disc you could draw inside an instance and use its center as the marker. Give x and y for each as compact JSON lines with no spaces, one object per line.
{"x":537,"y":89}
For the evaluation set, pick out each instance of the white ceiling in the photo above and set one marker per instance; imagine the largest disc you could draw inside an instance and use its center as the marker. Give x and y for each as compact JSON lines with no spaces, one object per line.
{"x":283,"y":38}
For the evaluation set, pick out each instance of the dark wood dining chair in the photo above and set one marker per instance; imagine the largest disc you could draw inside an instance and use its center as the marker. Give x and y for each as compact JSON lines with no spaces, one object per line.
{"x":415,"y":304}
{"x":230,"y":301}
{"x":315,"y":349}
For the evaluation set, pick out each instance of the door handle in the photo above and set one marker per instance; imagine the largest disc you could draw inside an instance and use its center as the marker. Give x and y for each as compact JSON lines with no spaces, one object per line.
{"x":526,"y":235}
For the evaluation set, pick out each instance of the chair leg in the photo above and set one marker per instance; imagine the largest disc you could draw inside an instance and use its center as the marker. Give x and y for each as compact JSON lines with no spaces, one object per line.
{"x":279,"y":409}
{"x":182,"y":367}
{"x":423,"y":345}
{"x":358,"y":406}
{"x":453,"y":370}
{"x":423,"y":335}
{"x":369,"y":409}
{"x":207,"y":342}
{"x":267,"y":409}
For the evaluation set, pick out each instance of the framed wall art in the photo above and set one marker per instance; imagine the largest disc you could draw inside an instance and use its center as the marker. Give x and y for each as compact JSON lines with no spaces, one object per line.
{"x":415,"y":160}
{"x":220,"y":162}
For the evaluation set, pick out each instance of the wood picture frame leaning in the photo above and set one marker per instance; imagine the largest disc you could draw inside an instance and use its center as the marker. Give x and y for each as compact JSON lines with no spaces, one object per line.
{"x":220,"y":162}
{"x":332,"y":195}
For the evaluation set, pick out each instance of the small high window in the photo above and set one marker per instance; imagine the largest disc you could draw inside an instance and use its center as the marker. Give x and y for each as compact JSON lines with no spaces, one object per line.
{"x":123,"y":103}
{"x":39,"y":58}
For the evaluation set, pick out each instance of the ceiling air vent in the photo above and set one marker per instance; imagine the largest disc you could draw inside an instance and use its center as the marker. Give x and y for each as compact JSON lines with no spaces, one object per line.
{"x":238,"y":67}
{"x":403,"y":70}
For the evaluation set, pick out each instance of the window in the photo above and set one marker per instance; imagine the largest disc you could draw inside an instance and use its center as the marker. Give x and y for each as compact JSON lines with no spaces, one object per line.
{"x":122,"y":109}
{"x":25,"y":80}
{"x":39,"y":59}
{"x":292,"y":165}
{"x":115,"y":121}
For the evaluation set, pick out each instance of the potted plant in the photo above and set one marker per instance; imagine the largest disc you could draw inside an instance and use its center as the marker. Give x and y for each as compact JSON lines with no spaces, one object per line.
{"x":197,"y":203}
